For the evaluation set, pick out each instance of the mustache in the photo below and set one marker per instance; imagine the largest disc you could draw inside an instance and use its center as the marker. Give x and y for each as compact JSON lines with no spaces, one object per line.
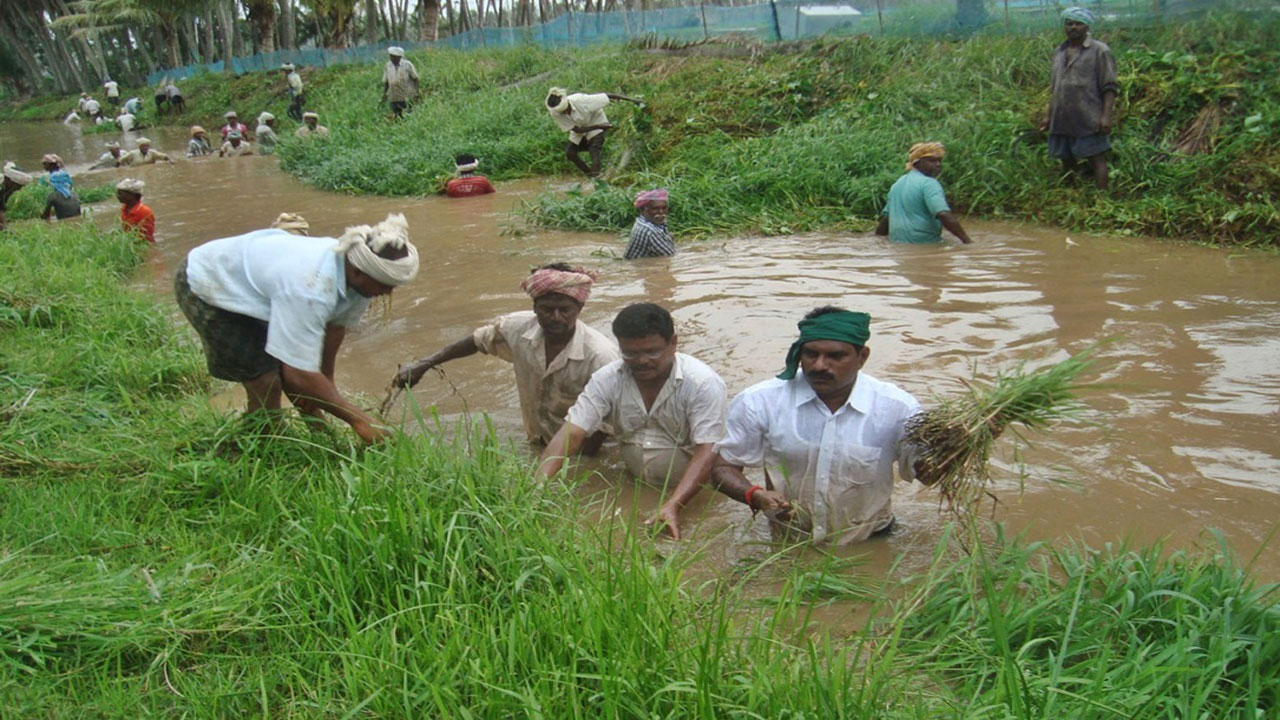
{"x":821,"y":376}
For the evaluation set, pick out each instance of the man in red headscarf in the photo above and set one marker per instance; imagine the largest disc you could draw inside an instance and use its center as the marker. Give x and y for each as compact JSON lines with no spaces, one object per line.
{"x":552,"y":351}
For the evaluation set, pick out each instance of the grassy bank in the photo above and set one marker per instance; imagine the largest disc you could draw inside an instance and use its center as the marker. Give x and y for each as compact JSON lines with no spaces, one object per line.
{"x":159,"y":557}
{"x":28,"y":202}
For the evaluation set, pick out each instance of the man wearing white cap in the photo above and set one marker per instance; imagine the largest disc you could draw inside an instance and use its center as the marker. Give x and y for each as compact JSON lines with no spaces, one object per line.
{"x":399,"y":81}
{"x":144,"y":155}
{"x":135,"y":217}
{"x":14,"y":180}
{"x":233,"y":123}
{"x":296,"y":98}
{"x":109,"y":159}
{"x":582,"y":116}
{"x":266,"y":133}
{"x":272,"y":309}
{"x":311,"y":127}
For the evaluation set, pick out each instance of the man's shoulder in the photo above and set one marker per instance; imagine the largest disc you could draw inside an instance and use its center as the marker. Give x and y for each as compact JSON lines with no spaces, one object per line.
{"x":701,"y":373}
{"x":595,"y":341}
{"x":1099,"y":46}
{"x":885,"y":391}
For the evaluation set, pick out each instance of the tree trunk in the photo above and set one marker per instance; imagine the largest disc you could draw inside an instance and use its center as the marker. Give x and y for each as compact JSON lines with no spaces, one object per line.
{"x":262,"y":14}
{"x":206,"y":32}
{"x":371,"y":22}
{"x":429,"y":20}
{"x":288,"y":26}
{"x":23,"y":53}
{"x":228,"y":35}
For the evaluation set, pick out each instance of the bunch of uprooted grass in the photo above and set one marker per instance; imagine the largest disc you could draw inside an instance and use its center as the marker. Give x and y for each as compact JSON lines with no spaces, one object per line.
{"x":954,"y":439}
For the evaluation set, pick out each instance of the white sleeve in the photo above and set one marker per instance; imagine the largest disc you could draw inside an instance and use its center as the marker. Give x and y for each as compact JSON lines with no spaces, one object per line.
{"x":584,"y":103}
{"x":744,"y":434}
{"x":594,"y":406}
{"x":706,"y":411}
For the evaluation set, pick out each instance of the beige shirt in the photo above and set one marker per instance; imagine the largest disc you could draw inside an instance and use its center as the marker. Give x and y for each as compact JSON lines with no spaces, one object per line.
{"x":584,"y":110}
{"x":229,"y":150}
{"x":306,"y":132}
{"x":295,"y":81}
{"x":546,"y":391}
{"x":657,"y":443}
{"x":402,"y":81}
{"x":134,"y":157}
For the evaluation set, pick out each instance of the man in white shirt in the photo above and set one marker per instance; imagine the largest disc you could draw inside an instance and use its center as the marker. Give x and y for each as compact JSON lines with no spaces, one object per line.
{"x":553,"y":353}
{"x":582,"y":116}
{"x":93,"y":109}
{"x":666,"y":408}
{"x":109,"y":159}
{"x":827,"y":439}
{"x":399,"y":81}
{"x":113,"y":92}
{"x":272,"y":309}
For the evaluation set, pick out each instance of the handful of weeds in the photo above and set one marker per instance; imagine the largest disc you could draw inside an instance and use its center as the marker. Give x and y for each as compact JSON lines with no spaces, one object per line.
{"x":953,"y":440}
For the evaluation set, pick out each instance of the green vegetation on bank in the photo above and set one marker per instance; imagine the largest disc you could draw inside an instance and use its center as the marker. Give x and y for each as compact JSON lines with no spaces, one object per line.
{"x":160,"y":557}
{"x":28,"y":202}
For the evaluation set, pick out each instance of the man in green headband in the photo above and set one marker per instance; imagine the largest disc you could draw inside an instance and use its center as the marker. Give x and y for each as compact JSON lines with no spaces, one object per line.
{"x":825,"y":435}
{"x":1082,"y":98}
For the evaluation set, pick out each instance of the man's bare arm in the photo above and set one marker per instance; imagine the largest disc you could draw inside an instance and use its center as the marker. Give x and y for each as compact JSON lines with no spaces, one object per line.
{"x":410,"y":374}
{"x":564,"y":445}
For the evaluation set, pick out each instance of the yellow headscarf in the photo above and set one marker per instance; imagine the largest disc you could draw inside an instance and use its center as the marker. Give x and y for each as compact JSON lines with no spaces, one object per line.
{"x":925,"y":150}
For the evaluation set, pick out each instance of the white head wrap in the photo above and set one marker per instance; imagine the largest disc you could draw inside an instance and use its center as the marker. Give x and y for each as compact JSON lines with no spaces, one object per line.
{"x":265,"y":116}
{"x":556,"y":92}
{"x":362,"y":243}
{"x":12,"y":172}
{"x":292,"y":221}
{"x":468,"y":167}
{"x":310,"y":114}
{"x":395,"y":50}
{"x":131,"y":185}
{"x":287,"y":66}
{"x":230,"y":114}
{"x":113,"y":145}
{"x":143,"y":141}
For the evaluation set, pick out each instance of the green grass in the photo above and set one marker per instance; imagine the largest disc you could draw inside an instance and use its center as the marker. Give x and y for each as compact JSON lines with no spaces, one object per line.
{"x":28,"y":202}
{"x":160,"y":557}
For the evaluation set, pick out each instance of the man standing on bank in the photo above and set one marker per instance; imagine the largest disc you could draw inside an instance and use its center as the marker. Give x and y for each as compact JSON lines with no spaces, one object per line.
{"x":1082,"y":98}
{"x":296,"y":96}
{"x":666,"y":408}
{"x":917,"y":209}
{"x":827,"y":438}
{"x":399,"y":81}
{"x":553,"y":353}
{"x":273,"y":308}
{"x":582,"y":116}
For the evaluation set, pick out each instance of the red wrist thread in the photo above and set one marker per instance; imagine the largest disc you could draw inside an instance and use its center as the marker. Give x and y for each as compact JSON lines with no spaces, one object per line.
{"x":750,"y":491}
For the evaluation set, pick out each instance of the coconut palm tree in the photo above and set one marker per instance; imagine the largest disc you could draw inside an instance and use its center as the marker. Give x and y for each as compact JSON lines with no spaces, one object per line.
{"x":97,"y":16}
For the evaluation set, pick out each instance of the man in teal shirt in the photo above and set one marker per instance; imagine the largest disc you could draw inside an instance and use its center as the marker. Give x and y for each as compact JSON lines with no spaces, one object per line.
{"x":917,"y":208}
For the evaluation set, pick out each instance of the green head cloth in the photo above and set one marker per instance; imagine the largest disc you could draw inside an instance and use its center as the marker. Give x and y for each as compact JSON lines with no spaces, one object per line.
{"x":1079,"y":14}
{"x":844,"y":326}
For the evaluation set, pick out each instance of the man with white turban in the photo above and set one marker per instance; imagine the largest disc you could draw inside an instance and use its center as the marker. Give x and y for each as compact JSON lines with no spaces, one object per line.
{"x":552,"y":351}
{"x":399,"y":81}
{"x":144,"y":155}
{"x":1082,"y":98}
{"x":272,"y":309}
{"x":311,"y":127}
{"x":14,"y":180}
{"x":917,"y":208}
{"x":296,"y":97}
{"x":582,"y":116}
{"x":109,"y":159}
{"x":266,"y":133}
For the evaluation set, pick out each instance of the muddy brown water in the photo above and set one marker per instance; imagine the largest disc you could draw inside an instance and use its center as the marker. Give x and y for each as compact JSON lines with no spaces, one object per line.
{"x":1181,"y":433}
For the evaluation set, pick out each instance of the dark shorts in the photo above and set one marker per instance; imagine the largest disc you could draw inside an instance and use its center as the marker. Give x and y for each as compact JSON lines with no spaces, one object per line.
{"x":398,"y":107}
{"x":235,"y":345}
{"x":1072,"y":148}
{"x":587,"y":145}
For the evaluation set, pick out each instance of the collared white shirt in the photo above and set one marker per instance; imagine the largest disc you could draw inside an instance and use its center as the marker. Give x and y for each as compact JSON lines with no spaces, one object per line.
{"x":297,"y":285}
{"x":402,"y":81}
{"x":546,"y":391}
{"x":835,"y":468}
{"x":113,"y":88}
{"x":295,"y":81}
{"x":229,"y":150}
{"x":584,"y":109}
{"x":657,"y":443}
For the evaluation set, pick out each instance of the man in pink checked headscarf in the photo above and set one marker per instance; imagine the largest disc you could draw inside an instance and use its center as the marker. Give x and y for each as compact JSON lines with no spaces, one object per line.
{"x":552,"y":351}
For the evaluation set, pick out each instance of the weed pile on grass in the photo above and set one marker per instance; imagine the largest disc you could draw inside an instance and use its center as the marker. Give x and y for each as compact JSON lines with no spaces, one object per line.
{"x":954,"y":438}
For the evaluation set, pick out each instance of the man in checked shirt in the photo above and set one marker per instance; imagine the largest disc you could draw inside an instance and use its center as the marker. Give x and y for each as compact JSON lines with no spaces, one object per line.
{"x":649,"y":235}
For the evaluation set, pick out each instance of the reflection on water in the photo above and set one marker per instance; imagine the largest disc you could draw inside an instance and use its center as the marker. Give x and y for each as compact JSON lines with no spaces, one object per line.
{"x":1182,"y":433}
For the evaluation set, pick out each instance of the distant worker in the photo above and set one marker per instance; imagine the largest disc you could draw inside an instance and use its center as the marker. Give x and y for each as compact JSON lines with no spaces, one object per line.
{"x":552,"y":352}
{"x":399,"y":81}
{"x":292,"y":223}
{"x":582,"y":116}
{"x":266,"y":133}
{"x":144,"y":155}
{"x":135,"y":217}
{"x":1082,"y":98}
{"x":109,"y":159}
{"x":198,"y":145}
{"x":175,"y":98}
{"x":113,"y":92}
{"x":235,"y":146}
{"x":296,"y":98}
{"x":468,"y":182}
{"x":272,"y":310}
{"x":62,"y":201}
{"x":14,"y":180}
{"x":71,"y":119}
{"x":82,"y":102}
{"x":666,"y":408}
{"x":649,"y":236}
{"x":93,"y":109}
{"x":917,"y":209}
{"x":133,"y":106}
{"x":162,"y":95}
{"x":233,"y":123}
{"x":126,"y":120}
{"x":311,"y":127}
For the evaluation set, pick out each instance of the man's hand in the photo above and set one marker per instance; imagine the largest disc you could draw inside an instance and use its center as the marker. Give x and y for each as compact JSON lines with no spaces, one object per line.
{"x":410,"y":374}
{"x":668,"y":518}
{"x":370,"y":433}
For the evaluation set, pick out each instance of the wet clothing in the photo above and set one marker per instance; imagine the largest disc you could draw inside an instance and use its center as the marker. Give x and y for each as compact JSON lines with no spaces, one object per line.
{"x":913,"y":206}
{"x":239,"y":127}
{"x":468,"y":186}
{"x":546,"y":391}
{"x":234,"y":344}
{"x":584,"y":110}
{"x":836,"y":469}
{"x":135,"y":157}
{"x":133,"y":106}
{"x":229,"y":150}
{"x":92,"y":108}
{"x":267,"y":139}
{"x":64,"y":206}
{"x":139,"y":219}
{"x":649,"y":239}
{"x":199,"y":146}
{"x":1077,"y":87}
{"x":401,"y":81}
{"x":107,"y":160}
{"x":658,"y":443}
{"x":1073,"y":148}
{"x":125,"y":122}
{"x":295,"y":284}
{"x":306,"y":132}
